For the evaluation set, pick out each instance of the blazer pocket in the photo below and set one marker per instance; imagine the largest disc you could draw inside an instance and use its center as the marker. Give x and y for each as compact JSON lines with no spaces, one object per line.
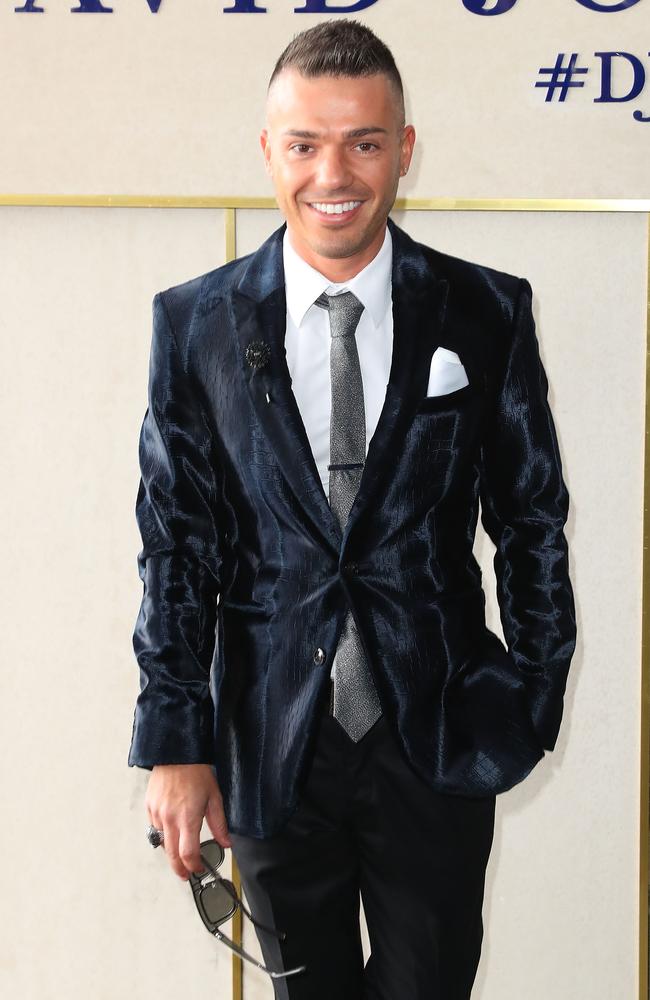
{"x":446,"y":401}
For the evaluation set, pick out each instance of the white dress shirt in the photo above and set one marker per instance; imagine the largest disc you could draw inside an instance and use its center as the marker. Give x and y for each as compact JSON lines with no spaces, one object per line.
{"x":308,"y":341}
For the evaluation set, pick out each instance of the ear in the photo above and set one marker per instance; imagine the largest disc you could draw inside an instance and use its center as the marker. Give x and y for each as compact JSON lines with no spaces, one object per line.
{"x":265,"y":143}
{"x":406,"y":148}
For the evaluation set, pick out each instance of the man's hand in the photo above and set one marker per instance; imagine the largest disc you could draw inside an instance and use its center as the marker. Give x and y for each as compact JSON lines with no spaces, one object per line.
{"x":178,"y":797}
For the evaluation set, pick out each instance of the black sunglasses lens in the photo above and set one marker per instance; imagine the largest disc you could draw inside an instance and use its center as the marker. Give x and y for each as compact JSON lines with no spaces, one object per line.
{"x":213,"y":853}
{"x":216,"y":903}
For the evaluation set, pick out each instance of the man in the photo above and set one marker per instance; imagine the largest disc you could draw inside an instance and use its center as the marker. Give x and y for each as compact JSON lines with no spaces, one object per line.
{"x":318,"y":679}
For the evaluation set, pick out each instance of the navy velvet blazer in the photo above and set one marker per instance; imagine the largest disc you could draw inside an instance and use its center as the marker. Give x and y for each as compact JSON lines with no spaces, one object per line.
{"x":247,"y":576}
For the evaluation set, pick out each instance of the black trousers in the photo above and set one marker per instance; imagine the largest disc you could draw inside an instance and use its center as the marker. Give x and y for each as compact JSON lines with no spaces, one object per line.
{"x":366,"y":822}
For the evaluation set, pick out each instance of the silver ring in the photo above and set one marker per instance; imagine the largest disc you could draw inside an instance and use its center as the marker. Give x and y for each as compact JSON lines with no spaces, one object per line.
{"x":154,"y":836}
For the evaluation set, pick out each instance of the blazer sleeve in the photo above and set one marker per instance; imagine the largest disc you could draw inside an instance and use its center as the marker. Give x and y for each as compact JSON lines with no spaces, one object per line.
{"x":524,"y":508}
{"x":176,"y":512}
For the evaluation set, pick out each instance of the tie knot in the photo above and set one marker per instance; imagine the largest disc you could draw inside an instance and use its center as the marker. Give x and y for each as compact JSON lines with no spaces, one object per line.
{"x":345,"y":312}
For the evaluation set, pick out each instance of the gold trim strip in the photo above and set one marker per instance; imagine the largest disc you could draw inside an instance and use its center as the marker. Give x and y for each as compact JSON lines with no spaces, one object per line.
{"x":402,"y":204}
{"x":523,"y":204}
{"x":237,"y":936}
{"x":230,"y":235}
{"x":644,"y":793}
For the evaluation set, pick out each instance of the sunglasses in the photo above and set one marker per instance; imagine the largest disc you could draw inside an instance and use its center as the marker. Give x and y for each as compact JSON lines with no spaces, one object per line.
{"x":216,"y":900}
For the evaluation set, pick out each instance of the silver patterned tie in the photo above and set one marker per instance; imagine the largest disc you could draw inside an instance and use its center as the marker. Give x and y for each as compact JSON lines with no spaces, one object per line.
{"x":356,"y":703}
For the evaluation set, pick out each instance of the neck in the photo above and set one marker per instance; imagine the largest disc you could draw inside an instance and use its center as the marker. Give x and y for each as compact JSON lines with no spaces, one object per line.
{"x":339,"y":269}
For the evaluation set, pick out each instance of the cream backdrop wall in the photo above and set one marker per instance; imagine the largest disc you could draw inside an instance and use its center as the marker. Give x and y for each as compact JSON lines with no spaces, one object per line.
{"x":133,"y":102}
{"x":170,"y":104}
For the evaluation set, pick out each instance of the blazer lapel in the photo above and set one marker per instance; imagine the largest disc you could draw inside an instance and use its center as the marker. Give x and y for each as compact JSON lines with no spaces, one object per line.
{"x":258,"y":312}
{"x":419,"y":304}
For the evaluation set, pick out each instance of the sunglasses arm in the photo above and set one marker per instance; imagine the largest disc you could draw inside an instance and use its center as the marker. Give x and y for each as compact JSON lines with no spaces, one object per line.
{"x":249,"y":958}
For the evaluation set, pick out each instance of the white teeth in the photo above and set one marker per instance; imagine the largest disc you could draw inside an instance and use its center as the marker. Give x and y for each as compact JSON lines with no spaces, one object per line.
{"x":329,"y":209}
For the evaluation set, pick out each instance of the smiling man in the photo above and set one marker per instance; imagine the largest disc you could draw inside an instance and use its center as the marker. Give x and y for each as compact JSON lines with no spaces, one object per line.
{"x":318,"y":681}
{"x":336,"y":179}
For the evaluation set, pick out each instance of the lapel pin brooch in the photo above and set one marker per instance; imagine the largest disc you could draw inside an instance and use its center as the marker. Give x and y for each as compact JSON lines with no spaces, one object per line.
{"x":258,"y":355}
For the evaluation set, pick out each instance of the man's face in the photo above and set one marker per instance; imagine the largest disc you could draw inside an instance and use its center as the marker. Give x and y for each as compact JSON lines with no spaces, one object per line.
{"x":335,"y":148}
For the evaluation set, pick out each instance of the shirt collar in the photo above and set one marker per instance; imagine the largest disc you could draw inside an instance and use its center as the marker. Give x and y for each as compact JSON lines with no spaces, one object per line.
{"x":372,"y":285}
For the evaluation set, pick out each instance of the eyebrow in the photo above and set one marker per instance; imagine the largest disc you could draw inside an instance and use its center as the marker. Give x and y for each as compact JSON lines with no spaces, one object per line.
{"x":355,"y":133}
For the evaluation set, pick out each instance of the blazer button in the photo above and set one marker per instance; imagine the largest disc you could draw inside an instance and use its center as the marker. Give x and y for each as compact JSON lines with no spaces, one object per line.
{"x":319,"y":656}
{"x":351,"y":567}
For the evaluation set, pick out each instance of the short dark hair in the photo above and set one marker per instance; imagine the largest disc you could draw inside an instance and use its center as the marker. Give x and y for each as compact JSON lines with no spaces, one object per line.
{"x":340,"y":47}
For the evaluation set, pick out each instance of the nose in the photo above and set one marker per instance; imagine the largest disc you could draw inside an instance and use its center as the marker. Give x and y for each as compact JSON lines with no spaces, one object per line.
{"x":333,"y":170}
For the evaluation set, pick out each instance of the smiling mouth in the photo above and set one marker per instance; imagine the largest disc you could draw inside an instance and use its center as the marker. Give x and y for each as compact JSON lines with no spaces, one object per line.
{"x":335,"y":209}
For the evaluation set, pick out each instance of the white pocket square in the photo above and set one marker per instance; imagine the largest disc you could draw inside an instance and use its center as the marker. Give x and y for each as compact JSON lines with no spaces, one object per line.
{"x":446,"y":374}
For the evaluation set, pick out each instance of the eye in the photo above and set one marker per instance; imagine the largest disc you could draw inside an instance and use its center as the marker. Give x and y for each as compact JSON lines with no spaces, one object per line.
{"x":301,"y":148}
{"x":366,"y":147}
